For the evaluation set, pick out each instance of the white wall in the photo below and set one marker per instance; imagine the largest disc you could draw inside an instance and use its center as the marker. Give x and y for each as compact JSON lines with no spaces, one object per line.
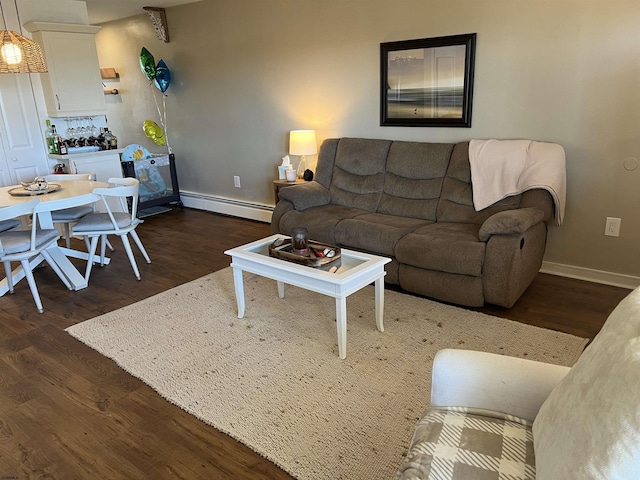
{"x":58,"y":11}
{"x":245,"y":72}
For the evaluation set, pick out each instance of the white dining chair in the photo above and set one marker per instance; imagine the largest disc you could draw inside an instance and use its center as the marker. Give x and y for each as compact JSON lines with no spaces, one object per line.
{"x":9,"y":224}
{"x":70,"y":215}
{"x":24,"y":245}
{"x":98,"y":225}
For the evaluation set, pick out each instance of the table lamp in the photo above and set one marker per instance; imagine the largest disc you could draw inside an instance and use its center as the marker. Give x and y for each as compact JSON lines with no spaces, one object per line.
{"x":303,"y":143}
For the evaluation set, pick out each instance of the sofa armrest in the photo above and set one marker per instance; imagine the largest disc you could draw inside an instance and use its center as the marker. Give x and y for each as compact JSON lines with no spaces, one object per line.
{"x":515,"y":386}
{"x":305,"y":195}
{"x":510,"y":222}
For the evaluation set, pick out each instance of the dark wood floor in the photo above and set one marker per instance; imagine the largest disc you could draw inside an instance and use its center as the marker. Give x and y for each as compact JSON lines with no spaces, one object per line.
{"x":67,"y":412}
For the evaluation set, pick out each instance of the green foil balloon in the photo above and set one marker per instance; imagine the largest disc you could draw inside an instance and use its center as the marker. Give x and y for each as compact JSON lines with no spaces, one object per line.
{"x":147,"y":64}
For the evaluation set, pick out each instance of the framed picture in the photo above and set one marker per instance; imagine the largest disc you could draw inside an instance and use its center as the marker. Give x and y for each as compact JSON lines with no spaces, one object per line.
{"x":427,"y":82}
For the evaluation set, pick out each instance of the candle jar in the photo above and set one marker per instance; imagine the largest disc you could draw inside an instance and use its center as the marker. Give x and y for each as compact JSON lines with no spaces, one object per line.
{"x":290,"y":175}
{"x":299,"y":239}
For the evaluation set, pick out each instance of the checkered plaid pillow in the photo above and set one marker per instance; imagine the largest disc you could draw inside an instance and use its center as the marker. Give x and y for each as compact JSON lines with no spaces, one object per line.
{"x":452,"y":444}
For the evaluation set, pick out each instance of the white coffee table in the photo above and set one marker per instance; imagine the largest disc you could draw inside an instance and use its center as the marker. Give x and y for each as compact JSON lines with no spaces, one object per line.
{"x":356,"y":271}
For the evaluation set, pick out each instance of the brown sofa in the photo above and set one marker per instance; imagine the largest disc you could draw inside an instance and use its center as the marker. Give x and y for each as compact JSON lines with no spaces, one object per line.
{"x":412,"y":202}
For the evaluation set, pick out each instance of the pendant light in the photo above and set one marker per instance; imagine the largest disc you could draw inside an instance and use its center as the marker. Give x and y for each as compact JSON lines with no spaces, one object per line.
{"x":19,"y":54}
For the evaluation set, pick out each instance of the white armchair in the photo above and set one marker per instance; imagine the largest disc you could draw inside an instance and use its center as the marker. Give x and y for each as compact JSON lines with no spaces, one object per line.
{"x":496,"y":417}
{"x":479,"y":380}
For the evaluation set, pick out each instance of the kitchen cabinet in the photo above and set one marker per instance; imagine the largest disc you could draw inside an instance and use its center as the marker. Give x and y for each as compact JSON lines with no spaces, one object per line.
{"x":104,"y":164}
{"x":73,"y":86}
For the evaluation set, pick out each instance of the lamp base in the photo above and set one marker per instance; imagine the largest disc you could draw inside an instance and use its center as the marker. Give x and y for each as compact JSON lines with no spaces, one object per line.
{"x":302,"y":166}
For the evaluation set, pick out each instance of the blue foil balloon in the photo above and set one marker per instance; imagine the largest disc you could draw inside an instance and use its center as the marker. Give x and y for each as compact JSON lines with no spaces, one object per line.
{"x":163,"y":76}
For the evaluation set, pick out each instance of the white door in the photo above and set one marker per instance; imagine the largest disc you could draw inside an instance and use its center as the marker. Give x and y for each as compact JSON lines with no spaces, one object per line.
{"x":22,"y":149}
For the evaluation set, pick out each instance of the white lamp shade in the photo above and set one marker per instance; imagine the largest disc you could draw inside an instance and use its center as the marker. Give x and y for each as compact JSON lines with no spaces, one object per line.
{"x":302,"y":142}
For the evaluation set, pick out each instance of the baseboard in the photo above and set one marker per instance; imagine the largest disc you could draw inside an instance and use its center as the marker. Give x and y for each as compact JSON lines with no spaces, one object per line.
{"x":227,"y":206}
{"x":591,"y":275}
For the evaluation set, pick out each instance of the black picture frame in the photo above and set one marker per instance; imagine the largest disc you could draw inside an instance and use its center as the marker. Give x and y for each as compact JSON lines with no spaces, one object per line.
{"x":420,"y":82}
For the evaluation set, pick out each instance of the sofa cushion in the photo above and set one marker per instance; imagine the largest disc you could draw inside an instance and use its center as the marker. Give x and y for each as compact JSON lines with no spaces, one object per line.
{"x":589,"y":426}
{"x":443,"y":286}
{"x":358,"y":173}
{"x":374,"y":232}
{"x":456,"y":200}
{"x":326,"y":161}
{"x":320,"y":221}
{"x":413,"y":181}
{"x":447,"y":247}
{"x":450,"y":445}
{"x":305,"y":195}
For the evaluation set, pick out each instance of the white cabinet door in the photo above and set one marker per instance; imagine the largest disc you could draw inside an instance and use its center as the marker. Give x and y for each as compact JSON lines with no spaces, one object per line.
{"x":73,"y":86}
{"x":105,"y":165}
{"x":22,"y":151}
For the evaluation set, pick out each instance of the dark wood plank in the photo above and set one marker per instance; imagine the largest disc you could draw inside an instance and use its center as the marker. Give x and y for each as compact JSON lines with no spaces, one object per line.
{"x":67,"y":412}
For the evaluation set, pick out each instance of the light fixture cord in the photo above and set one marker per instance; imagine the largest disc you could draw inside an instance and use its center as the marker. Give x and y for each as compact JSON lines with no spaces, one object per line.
{"x":4,"y":23}
{"x":15,"y":2}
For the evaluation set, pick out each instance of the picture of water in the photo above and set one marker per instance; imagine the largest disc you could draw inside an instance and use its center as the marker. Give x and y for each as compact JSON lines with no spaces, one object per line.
{"x":438,"y":102}
{"x":426,"y":83}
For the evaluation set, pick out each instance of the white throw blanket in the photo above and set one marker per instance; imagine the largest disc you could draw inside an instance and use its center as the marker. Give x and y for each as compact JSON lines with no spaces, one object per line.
{"x":501,"y":168}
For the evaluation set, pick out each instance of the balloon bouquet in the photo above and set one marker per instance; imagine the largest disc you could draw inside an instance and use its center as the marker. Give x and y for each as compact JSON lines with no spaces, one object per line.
{"x":160,"y":76}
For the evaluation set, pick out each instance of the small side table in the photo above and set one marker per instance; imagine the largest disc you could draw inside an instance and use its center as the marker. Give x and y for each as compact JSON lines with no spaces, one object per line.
{"x":278,"y":184}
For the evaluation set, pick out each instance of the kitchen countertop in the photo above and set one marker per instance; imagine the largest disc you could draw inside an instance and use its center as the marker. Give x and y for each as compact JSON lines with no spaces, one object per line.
{"x":100,"y":153}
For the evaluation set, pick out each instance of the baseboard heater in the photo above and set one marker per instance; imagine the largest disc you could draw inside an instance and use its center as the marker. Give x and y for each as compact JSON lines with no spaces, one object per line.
{"x":227,"y":206}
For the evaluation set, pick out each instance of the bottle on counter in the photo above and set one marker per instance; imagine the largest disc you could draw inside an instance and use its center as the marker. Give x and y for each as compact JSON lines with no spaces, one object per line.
{"x":54,"y":148}
{"x":51,"y":139}
{"x":102,"y":142}
{"x":113,"y":142}
{"x":62,"y":147}
{"x":107,"y":139}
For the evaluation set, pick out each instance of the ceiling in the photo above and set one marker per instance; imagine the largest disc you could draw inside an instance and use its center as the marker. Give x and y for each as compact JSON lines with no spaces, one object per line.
{"x":101,"y":11}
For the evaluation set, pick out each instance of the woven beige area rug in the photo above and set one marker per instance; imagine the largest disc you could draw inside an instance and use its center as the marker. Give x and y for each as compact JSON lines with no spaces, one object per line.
{"x":273,"y":380}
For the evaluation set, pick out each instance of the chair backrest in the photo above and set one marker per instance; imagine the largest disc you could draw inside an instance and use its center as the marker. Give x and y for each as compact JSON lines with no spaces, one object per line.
{"x":29,"y":207}
{"x":19,"y":209}
{"x":122,"y":188}
{"x":68,"y":177}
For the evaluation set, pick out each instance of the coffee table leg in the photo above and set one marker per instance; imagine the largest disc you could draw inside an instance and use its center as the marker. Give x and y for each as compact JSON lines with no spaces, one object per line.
{"x":341,"y":324}
{"x":237,"y":282}
{"x":380,"y":304}
{"x":281,"y":289}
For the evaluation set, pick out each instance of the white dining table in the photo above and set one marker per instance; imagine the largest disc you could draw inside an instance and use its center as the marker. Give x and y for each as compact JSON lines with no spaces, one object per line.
{"x":71,"y":194}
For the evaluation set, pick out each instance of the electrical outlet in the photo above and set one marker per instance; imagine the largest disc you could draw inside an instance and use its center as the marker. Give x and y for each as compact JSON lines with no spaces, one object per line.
{"x":236,"y":181}
{"x":612,"y":227}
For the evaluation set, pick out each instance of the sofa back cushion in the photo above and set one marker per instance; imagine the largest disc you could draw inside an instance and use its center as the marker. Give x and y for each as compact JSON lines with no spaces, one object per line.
{"x":456,"y":201}
{"x":589,"y":426}
{"x":358,"y":173}
{"x":326,"y":162}
{"x":413,"y":180}
{"x":407,"y":179}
